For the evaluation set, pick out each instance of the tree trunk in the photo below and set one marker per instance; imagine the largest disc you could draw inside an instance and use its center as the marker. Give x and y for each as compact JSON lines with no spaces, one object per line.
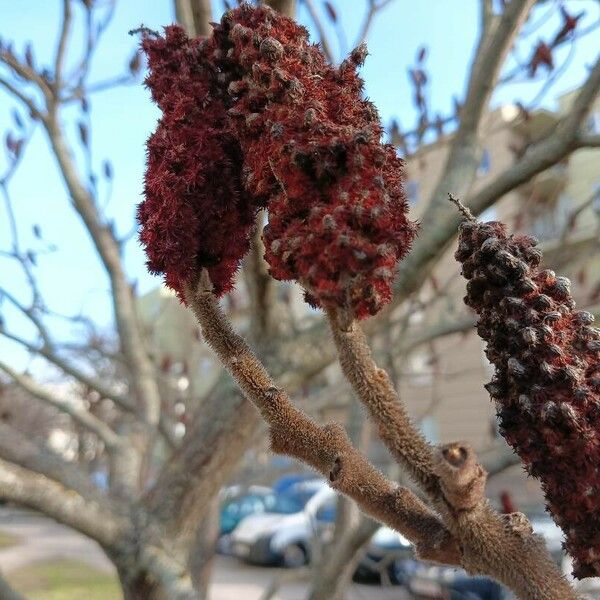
{"x":203,"y":551}
{"x":332,"y":579}
{"x":164,"y":584}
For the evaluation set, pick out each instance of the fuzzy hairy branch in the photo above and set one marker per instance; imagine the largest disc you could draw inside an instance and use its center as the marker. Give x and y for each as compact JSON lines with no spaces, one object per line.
{"x":325,"y":448}
{"x":375,"y":390}
{"x":452,"y":479}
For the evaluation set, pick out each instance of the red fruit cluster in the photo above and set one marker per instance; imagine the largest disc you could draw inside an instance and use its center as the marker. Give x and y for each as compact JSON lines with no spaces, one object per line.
{"x":337,"y":212}
{"x":196,"y":213}
{"x":255,"y":115}
{"x":547,"y":379}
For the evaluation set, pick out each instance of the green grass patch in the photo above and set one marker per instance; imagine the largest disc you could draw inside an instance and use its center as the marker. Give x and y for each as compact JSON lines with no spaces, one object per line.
{"x":7,"y":540}
{"x":64,"y":580}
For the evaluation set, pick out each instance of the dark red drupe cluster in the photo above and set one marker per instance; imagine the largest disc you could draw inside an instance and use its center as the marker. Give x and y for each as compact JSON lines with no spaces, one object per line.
{"x":255,"y":116}
{"x":337,"y":212}
{"x":196,"y":213}
{"x":547,"y":379}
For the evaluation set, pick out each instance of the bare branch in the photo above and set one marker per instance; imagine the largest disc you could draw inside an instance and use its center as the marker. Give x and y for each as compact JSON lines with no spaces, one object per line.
{"x":26,"y":72}
{"x":194,"y":16}
{"x":19,"y":450}
{"x":62,"y":46}
{"x":7,"y":592}
{"x":62,"y":504}
{"x":285,"y":7}
{"x":78,"y":414}
{"x":323,"y":38}
{"x":442,"y":328}
{"x":548,"y":152}
{"x":374,"y":8}
{"x":261,"y":287}
{"x":439,"y":226}
{"x":26,"y":100}
{"x":487,"y":14}
{"x":142,"y":371}
{"x":50,"y":355}
{"x":588,"y":141}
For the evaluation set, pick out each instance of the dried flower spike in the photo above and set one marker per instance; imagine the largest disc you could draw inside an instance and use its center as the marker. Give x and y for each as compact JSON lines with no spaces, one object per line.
{"x":547,"y":379}
{"x":196,"y":213}
{"x":337,"y":211}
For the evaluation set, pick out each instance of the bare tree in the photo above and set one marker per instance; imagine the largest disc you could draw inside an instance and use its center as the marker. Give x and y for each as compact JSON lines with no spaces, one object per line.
{"x":156,"y":529}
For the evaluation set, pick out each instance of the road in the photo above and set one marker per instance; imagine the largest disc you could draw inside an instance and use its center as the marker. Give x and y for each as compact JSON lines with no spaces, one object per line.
{"x":42,"y":539}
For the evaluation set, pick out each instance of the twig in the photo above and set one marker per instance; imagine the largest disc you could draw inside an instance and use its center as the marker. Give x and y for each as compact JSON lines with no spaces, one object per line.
{"x":467,"y":214}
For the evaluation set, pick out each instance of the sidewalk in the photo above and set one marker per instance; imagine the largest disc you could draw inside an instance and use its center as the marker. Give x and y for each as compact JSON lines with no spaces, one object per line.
{"x":42,"y":539}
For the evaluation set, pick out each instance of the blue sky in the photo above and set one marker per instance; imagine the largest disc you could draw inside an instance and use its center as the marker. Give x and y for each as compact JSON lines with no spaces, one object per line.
{"x":124,"y":117}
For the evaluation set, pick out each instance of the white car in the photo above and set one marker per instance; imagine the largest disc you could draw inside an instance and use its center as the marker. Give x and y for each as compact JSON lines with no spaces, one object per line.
{"x":282,"y":535}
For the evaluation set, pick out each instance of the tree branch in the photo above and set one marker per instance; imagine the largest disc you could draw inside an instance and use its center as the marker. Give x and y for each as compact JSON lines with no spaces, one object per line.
{"x":57,"y":502}
{"x":316,"y":19}
{"x":285,"y":7}
{"x":453,"y":481}
{"x":588,"y":141}
{"x":78,"y":414}
{"x":461,"y":165}
{"x":28,"y":102}
{"x":375,"y":390}
{"x":19,"y":450}
{"x":142,"y":371}
{"x":326,"y":448}
{"x":261,"y":287}
{"x":540,"y":157}
{"x":68,"y":368}
{"x":374,"y":8}
{"x":194,"y":16}
{"x":7,"y":592}
{"x":62,"y":46}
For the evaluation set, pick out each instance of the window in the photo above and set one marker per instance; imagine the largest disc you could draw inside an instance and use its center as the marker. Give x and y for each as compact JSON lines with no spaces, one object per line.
{"x":593,"y":123}
{"x":412,"y":192}
{"x":485,"y":163}
{"x":548,"y":221}
{"x":596,"y":201}
{"x":420,"y":369}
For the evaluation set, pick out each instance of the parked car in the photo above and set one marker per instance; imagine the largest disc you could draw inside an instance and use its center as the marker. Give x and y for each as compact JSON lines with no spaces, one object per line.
{"x":253,"y":501}
{"x":285,"y":482}
{"x":282,"y":535}
{"x":388,"y":559}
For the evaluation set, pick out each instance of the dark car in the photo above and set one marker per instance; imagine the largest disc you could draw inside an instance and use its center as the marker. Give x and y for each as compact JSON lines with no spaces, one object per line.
{"x":238,"y":508}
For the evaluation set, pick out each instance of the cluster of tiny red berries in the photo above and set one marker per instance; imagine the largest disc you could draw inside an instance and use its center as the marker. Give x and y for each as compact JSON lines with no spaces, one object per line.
{"x":256,"y":115}
{"x":546,"y":384}
{"x":196,"y":213}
